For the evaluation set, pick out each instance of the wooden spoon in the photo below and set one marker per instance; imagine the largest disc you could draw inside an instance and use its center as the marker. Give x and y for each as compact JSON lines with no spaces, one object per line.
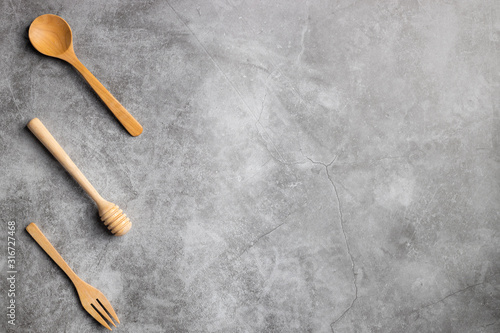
{"x":51,"y":35}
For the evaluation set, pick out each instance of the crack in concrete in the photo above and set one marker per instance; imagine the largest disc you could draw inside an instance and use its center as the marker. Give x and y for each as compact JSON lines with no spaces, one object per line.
{"x":252,"y":244}
{"x":490,"y":324}
{"x":305,"y":29}
{"x":224,"y":255}
{"x":346,"y":241}
{"x":261,"y":109}
{"x":264,"y":99}
{"x":450,"y":295}
{"x":348,"y":252}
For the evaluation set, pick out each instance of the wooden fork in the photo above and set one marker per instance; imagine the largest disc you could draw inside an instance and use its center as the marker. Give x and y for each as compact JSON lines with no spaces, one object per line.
{"x":93,"y":301}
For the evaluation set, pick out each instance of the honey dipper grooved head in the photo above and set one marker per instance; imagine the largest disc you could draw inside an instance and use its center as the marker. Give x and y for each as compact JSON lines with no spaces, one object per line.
{"x":116,"y":221}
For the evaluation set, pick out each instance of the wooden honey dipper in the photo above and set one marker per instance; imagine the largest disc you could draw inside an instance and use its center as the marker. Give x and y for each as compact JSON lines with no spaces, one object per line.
{"x":112,"y":216}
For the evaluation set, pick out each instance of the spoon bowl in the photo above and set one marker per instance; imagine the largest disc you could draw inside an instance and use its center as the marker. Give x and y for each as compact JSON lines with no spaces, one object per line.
{"x":51,"y":35}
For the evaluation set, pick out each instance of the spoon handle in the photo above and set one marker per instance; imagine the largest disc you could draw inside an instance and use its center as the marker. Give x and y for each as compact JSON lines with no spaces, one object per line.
{"x":123,"y":116}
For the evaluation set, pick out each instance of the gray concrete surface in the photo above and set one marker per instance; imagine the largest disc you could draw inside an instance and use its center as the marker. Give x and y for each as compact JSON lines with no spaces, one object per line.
{"x":305,"y":166}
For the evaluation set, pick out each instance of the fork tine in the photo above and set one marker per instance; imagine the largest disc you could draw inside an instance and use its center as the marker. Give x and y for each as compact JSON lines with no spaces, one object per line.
{"x":103,"y":312}
{"x":105,"y":303}
{"x":96,"y":315}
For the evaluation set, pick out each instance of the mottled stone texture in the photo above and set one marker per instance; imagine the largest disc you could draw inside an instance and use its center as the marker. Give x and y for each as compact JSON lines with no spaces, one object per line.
{"x":305,"y":166}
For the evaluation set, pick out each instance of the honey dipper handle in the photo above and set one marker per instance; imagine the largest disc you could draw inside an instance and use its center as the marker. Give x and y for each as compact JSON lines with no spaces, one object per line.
{"x":44,"y":243}
{"x":123,"y":116}
{"x":43,"y":134}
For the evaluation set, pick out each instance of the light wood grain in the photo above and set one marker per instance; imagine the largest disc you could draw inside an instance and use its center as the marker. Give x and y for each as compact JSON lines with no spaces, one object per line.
{"x":90,"y":297}
{"x":52,"y":36}
{"x":112,"y":216}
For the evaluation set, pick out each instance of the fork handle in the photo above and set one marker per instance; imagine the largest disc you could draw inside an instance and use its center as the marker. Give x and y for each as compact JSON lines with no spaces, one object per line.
{"x":44,"y":243}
